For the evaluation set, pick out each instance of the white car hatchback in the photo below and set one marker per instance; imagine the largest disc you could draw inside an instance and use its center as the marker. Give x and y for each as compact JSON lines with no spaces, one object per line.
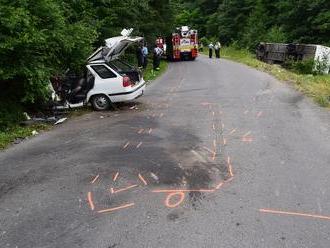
{"x":107,"y":79}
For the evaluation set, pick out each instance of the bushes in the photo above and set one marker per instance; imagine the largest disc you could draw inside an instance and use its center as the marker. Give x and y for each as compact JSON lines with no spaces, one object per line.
{"x":301,"y":67}
{"x":307,"y":66}
{"x":10,"y":112}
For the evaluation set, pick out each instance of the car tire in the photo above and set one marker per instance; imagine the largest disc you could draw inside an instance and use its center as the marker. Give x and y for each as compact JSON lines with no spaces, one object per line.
{"x":100,"y":102}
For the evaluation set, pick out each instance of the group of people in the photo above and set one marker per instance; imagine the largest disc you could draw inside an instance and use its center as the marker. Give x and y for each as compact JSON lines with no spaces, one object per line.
{"x":142,"y":56}
{"x":216,"y":47}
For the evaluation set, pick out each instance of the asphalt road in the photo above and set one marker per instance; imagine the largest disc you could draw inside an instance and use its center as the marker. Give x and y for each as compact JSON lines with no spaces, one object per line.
{"x":210,"y":145}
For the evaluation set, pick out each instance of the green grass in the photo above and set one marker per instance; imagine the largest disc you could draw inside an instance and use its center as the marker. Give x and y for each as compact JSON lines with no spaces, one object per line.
{"x":315,"y":86}
{"x":149,"y":74}
{"x":17,"y":132}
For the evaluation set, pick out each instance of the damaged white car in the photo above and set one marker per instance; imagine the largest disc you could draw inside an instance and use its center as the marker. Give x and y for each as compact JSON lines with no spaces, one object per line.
{"x":107,"y":79}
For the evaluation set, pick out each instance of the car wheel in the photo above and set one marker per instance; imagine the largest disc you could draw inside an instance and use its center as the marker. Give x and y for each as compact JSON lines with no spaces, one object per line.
{"x":100,"y":102}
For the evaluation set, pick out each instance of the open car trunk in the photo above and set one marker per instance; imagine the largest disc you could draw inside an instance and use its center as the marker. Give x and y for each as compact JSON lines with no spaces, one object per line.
{"x":114,"y":47}
{"x":125,"y":69}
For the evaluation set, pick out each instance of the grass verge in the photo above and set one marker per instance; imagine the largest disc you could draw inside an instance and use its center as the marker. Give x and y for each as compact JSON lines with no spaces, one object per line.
{"x":315,"y":86}
{"x":149,"y":74}
{"x":19,"y":133}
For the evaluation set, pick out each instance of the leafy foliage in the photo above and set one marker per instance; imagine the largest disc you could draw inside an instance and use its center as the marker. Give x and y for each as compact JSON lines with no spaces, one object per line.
{"x":41,"y":38}
{"x":247,"y":22}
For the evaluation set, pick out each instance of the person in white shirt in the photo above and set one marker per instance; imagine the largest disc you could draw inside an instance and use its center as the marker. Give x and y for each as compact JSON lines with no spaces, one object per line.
{"x":211,"y":50}
{"x":217,"y":48}
{"x":157,"y":56}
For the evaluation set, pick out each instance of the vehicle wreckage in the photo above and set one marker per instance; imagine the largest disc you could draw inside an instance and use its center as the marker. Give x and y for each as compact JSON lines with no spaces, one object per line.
{"x":106,"y":79}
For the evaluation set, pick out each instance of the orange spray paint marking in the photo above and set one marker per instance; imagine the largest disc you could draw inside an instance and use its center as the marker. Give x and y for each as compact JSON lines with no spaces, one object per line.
{"x":294,"y":214}
{"x":219,"y":185}
{"x":115,"y":176}
{"x":142,"y":179}
{"x":123,"y":189}
{"x":116,"y":208}
{"x":230,"y":169}
{"x":90,"y":201}
{"x":229,"y":179}
{"x":248,"y":139}
{"x":214,"y":156}
{"x":150,"y":130}
{"x":177,"y":203}
{"x":259,"y":114}
{"x":181,"y":190}
{"x":207,"y":149}
{"x":140,"y":131}
{"x":126,"y":145}
{"x":248,"y":133}
{"x":138,"y":145}
{"x":232,"y":131}
{"x":95,"y":178}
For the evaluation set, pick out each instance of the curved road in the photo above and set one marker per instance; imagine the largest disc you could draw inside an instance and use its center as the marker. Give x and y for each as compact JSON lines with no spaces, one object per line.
{"x":216,"y":154}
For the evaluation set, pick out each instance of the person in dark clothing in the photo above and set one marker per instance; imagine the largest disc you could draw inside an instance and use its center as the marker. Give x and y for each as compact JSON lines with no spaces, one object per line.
{"x":139,"y":55}
{"x":145,"y":56}
{"x":157,"y":56}
{"x":211,"y":50}
{"x":217,"y":48}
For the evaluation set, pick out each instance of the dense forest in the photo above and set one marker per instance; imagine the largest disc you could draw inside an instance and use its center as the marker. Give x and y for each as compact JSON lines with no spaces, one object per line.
{"x":247,"y":22}
{"x":41,"y":38}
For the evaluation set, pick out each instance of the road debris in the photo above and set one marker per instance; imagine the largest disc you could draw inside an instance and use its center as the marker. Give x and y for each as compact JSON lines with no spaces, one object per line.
{"x":60,"y":121}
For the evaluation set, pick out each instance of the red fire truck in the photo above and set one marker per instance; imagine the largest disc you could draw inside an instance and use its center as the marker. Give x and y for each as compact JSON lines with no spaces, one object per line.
{"x":182,"y":44}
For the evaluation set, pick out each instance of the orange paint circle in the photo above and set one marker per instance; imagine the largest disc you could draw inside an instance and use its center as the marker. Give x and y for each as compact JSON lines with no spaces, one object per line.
{"x":176,"y":203}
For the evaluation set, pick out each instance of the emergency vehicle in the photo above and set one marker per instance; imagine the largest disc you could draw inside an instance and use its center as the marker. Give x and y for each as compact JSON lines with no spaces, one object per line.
{"x":182,"y":44}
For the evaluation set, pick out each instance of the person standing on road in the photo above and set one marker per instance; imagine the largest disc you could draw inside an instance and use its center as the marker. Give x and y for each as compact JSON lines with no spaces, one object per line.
{"x":201,"y":47}
{"x":145,"y":56}
{"x":217,"y":48}
{"x":157,"y":56}
{"x":211,"y":50}
{"x":139,"y":55}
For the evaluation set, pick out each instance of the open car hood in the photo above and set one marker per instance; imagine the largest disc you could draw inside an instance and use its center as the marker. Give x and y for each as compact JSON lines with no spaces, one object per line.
{"x":114,"y":47}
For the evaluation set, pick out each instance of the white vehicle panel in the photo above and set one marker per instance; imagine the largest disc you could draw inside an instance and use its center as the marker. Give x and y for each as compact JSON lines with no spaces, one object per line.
{"x":322,"y":55}
{"x":105,"y":86}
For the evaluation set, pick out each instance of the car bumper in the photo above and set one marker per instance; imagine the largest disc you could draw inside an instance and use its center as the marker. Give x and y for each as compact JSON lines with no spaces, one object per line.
{"x":129,"y":95}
